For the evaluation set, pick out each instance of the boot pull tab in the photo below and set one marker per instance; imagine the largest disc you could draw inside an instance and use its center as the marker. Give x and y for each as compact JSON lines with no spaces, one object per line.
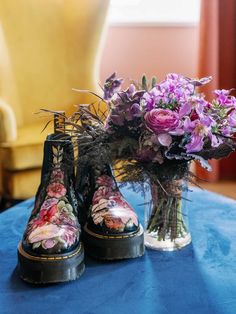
{"x":59,"y":122}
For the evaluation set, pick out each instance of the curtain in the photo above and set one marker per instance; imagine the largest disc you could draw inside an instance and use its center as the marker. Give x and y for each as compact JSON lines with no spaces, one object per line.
{"x":217,"y":57}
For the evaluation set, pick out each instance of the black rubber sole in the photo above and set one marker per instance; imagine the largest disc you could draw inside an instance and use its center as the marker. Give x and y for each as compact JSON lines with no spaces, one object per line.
{"x":113,"y":247}
{"x":51,"y":268}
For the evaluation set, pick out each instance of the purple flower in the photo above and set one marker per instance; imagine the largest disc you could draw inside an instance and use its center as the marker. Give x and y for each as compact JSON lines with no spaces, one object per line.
{"x":199,"y":82}
{"x":223,"y":98}
{"x":193,"y":103}
{"x":195,"y":145}
{"x":232,"y":119}
{"x":111,"y":86}
{"x":116,"y":119}
{"x":226,"y":130}
{"x":164,"y":139}
{"x":200,"y":129}
{"x":151,"y":98}
{"x":161,"y":120}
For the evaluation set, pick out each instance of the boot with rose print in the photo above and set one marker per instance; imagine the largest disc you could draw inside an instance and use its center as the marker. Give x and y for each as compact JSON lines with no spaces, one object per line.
{"x":111,"y":228}
{"x":50,"y":250}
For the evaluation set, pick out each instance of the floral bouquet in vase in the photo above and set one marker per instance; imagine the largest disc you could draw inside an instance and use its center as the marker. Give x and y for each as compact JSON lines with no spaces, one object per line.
{"x":151,"y":132}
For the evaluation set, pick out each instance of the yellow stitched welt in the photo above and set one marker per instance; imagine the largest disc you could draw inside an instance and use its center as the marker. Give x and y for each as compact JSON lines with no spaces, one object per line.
{"x":46,"y":258}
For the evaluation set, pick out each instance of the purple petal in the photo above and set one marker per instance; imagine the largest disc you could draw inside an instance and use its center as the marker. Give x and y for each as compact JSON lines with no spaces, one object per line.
{"x":215,"y":141}
{"x":117,"y":120}
{"x":164,"y":139}
{"x":185,"y":109}
{"x":195,"y":145}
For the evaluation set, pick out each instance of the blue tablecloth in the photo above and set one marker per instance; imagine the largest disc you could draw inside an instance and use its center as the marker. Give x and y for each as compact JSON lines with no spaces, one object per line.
{"x":200,"y":278}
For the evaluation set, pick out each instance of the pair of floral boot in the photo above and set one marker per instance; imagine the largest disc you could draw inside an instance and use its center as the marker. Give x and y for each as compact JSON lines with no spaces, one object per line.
{"x":66,"y":211}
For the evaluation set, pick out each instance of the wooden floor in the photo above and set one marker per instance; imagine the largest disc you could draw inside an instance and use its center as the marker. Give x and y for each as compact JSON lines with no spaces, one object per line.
{"x":227,"y":188}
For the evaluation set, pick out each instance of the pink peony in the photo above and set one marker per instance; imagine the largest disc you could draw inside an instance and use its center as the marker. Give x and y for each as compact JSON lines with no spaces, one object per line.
{"x":161,"y":120}
{"x":56,"y":190}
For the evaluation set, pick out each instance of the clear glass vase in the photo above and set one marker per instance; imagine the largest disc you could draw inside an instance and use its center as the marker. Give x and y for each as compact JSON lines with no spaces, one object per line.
{"x":166,"y":224}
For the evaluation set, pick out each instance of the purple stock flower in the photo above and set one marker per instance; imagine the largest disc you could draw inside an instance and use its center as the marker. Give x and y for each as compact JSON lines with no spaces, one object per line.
{"x":175,"y":88}
{"x":193,"y":103}
{"x":223,"y":97}
{"x":199,"y":82}
{"x":111,"y":86}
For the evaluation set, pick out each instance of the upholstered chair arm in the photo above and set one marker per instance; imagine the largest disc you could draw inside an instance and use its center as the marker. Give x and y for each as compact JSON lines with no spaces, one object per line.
{"x":8,"y":130}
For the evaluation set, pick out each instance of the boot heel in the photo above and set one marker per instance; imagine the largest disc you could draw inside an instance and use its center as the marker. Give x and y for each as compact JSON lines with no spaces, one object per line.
{"x":50,"y":268}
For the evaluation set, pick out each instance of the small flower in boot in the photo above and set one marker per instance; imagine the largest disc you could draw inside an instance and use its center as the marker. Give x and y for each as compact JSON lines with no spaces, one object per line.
{"x":57,"y":175}
{"x":56,"y":190}
{"x":45,"y":232}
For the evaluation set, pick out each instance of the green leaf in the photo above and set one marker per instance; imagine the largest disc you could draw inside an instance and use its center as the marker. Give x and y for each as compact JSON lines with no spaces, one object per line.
{"x":144,"y":82}
{"x":154,"y":81}
{"x":36,"y":245}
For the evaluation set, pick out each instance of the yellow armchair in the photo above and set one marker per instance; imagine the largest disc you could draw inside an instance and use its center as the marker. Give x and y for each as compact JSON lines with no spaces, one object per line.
{"x":46,"y":49}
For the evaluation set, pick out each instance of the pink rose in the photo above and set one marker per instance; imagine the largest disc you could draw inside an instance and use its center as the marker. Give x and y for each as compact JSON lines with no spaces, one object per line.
{"x":102,"y":192}
{"x":126,"y":214}
{"x":70,"y":235}
{"x":105,"y":180}
{"x":57,"y":175}
{"x":161,"y":120}
{"x":48,"y":244}
{"x":56,"y":190}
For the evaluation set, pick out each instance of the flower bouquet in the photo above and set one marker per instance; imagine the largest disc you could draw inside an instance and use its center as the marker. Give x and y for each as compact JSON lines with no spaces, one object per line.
{"x":151,"y":131}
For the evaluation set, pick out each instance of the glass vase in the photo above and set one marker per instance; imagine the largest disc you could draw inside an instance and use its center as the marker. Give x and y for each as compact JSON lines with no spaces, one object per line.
{"x":166,"y":225}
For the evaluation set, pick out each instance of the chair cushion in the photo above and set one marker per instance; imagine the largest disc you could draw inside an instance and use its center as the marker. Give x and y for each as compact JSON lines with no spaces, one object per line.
{"x":26,"y":152}
{"x":21,"y":184}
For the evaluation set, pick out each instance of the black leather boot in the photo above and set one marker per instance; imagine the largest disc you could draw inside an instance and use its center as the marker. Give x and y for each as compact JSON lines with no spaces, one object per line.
{"x":111,"y":229}
{"x":51,"y":250}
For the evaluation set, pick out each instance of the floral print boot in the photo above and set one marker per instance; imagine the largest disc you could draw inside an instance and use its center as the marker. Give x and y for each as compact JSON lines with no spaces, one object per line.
{"x":111,"y":229}
{"x":51,"y":250}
